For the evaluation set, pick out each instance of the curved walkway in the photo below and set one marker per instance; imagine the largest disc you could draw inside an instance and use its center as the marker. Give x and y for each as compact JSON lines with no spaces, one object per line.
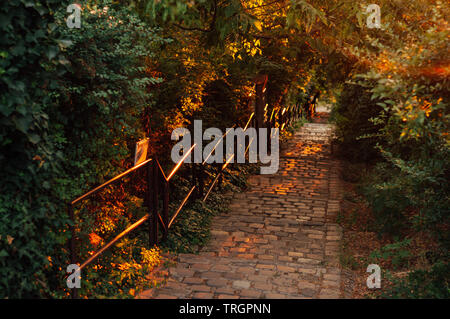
{"x":279,"y":239}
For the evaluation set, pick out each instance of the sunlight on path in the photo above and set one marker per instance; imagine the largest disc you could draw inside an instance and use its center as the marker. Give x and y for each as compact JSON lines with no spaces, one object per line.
{"x":279,"y":239}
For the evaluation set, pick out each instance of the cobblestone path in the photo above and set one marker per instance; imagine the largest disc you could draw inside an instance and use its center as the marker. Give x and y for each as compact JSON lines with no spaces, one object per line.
{"x":279,"y":239}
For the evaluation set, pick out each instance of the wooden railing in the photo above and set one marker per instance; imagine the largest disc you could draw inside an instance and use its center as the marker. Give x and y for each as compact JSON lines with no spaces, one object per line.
{"x":156,"y":179}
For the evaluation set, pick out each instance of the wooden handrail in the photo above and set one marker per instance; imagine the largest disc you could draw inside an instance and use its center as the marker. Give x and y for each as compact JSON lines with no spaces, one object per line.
{"x":112,"y":180}
{"x":152,"y":190}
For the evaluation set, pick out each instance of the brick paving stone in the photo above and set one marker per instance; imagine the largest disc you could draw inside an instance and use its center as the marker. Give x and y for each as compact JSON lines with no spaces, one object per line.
{"x":308,"y":292}
{"x":203,"y":295}
{"x":225,"y":290}
{"x":250,"y":294}
{"x":275,"y":296}
{"x":165,"y":297}
{"x":222,"y":296}
{"x":265,"y":266}
{"x":267,"y":272}
{"x":217,"y":282}
{"x":221,"y":268}
{"x":233,"y":275}
{"x":279,"y":239}
{"x":257,"y":278}
{"x":181,"y":272}
{"x":202,"y":288}
{"x":263,"y":286}
{"x":193,"y":280}
{"x":241,"y":284}
{"x":285,"y":269}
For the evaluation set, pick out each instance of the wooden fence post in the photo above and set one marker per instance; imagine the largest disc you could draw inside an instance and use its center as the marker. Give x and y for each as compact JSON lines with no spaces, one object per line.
{"x":166,"y":207}
{"x":152,"y":182}
{"x":201,"y":182}
{"x":72,"y":245}
{"x":260,"y":102}
{"x":194,"y":178}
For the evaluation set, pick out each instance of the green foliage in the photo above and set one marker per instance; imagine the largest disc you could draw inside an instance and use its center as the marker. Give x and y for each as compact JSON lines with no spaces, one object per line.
{"x":402,"y":109}
{"x":190,"y":230}
{"x":213,"y":19}
{"x":100,"y":103}
{"x":69,"y":119}
{"x":408,"y":190}
{"x":31,"y":215}
{"x":422,"y":284}
{"x":122,"y":271}
{"x":105,"y":90}
{"x":397,"y":253}
{"x":356,"y":133}
{"x":414,"y":195}
{"x":297,"y":125}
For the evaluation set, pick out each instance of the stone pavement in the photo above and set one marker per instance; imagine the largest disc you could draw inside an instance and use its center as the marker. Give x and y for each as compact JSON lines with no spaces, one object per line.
{"x":279,"y":239}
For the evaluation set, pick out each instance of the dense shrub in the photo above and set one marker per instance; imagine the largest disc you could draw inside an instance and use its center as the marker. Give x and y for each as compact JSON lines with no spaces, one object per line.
{"x":69,"y":120}
{"x":32,"y":178}
{"x":408,"y":190}
{"x":356,"y":133}
{"x":99,"y":106}
{"x":105,"y":92}
{"x":426,"y":284}
{"x":394,"y":114}
{"x":410,"y":195}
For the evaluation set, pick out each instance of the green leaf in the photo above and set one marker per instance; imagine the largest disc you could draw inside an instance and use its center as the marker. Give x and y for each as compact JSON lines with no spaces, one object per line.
{"x":51,"y":52}
{"x":5,"y":110}
{"x":64,"y":43}
{"x":22,"y":123}
{"x":34,"y":138}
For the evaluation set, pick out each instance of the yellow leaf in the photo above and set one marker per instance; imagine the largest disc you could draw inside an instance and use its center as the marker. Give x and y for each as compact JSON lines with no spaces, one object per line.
{"x":258,"y":25}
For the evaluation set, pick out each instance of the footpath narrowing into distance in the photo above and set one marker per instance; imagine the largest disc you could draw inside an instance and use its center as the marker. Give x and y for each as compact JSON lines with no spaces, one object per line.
{"x":279,"y":239}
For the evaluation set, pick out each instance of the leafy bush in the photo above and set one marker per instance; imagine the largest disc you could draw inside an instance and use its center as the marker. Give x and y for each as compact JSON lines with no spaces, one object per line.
{"x":32,"y":186}
{"x":395,"y":112}
{"x":397,"y":253}
{"x":71,"y":108}
{"x":429,"y":284}
{"x":105,"y":92}
{"x":100,"y":102}
{"x":356,"y":133}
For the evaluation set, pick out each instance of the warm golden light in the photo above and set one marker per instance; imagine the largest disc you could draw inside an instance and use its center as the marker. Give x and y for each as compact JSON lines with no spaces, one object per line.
{"x":175,"y":169}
